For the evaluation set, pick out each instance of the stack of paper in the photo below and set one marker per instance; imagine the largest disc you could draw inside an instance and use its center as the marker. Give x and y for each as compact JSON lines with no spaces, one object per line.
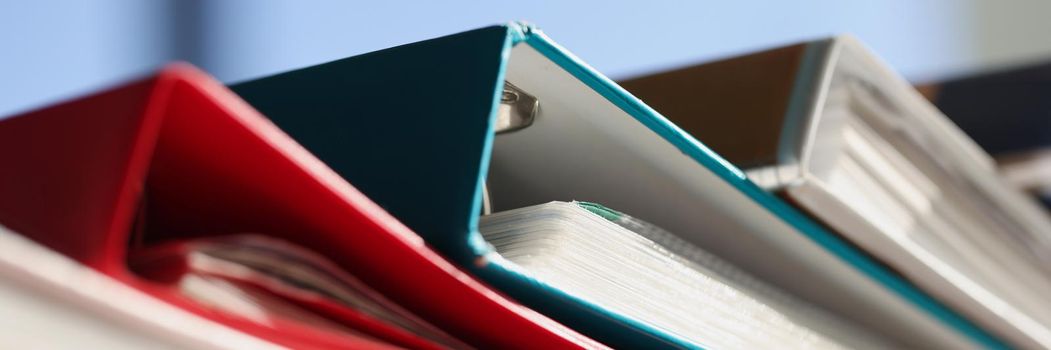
{"x":267,"y":280}
{"x":636,"y":269}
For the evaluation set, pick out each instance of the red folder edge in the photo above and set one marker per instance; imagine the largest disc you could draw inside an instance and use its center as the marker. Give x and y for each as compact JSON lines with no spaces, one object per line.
{"x":74,"y":175}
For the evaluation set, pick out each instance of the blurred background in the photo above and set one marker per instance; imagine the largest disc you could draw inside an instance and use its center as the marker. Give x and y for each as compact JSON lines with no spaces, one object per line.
{"x":54,"y":50}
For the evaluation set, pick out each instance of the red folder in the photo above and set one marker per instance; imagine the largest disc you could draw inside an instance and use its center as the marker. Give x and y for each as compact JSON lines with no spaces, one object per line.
{"x":190,"y":159}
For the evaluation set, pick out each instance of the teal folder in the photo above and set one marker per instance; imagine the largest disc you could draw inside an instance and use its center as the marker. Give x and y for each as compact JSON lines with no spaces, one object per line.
{"x":412,"y":127}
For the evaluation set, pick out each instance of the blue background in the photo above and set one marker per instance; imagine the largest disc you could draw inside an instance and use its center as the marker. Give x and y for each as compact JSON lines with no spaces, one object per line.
{"x":53,"y":50}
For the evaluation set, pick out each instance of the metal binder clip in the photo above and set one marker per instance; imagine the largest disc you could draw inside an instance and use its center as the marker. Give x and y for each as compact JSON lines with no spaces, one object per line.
{"x":517,"y":109}
{"x":487,"y":203}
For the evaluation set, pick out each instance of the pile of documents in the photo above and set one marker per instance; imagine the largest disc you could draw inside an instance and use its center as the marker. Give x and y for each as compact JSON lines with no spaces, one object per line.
{"x":639,"y":270}
{"x":263,"y":279}
{"x":804,"y":197}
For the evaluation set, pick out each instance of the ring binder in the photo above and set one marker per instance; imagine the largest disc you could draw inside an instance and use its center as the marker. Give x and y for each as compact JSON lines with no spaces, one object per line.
{"x":590,"y":141}
{"x":517,"y":109}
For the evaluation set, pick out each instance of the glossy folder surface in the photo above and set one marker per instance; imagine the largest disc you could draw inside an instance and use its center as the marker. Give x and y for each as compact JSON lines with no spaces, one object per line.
{"x":411,"y":127}
{"x":209,"y":164}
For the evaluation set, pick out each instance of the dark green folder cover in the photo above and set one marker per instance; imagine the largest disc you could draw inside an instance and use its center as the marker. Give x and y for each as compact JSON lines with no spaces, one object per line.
{"x":412,"y":128}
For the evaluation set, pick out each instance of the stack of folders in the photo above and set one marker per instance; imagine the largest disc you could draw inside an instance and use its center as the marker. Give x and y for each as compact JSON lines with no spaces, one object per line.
{"x":848,"y":141}
{"x":862,"y":218}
